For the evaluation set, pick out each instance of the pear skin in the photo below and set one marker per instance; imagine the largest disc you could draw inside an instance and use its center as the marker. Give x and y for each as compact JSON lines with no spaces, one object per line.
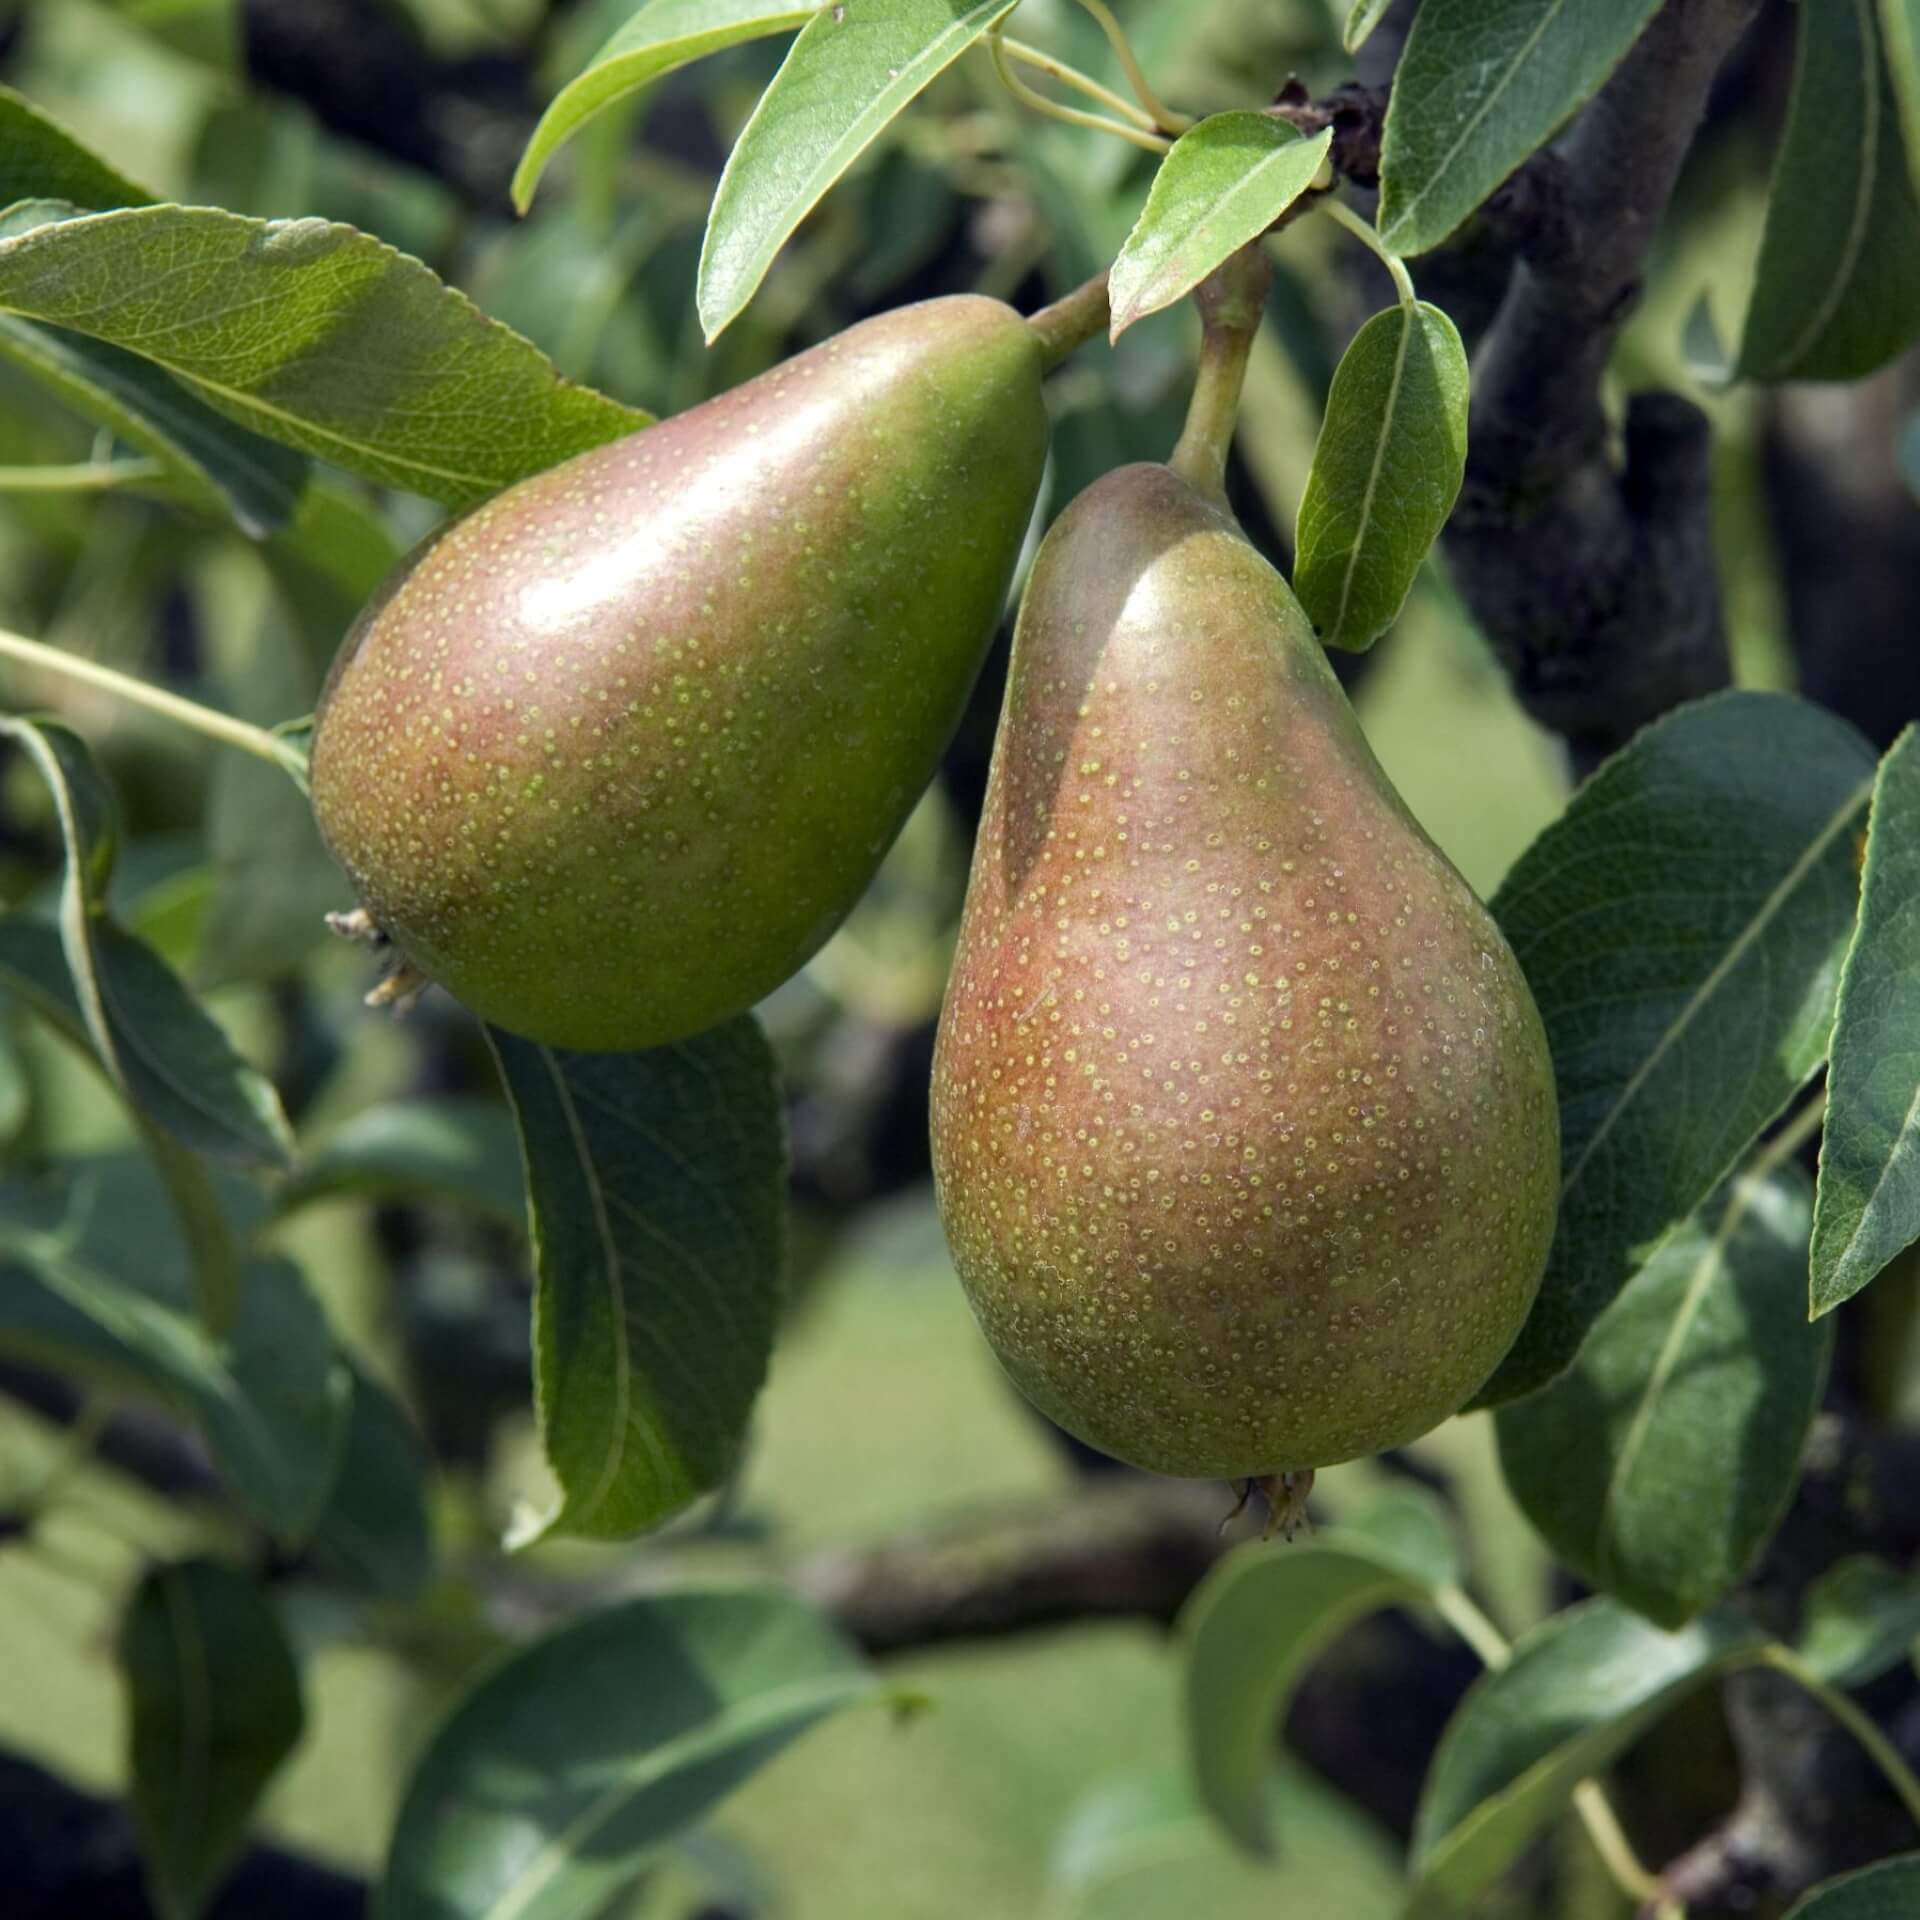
{"x":1244,"y":1125}
{"x":611,"y":756}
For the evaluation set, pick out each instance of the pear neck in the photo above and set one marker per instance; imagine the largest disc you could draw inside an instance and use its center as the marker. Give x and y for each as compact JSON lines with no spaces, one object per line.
{"x":1231,"y":301}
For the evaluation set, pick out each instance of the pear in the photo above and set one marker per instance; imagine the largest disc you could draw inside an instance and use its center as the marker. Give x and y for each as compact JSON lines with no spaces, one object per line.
{"x":1244,"y":1125}
{"x":611,"y":756}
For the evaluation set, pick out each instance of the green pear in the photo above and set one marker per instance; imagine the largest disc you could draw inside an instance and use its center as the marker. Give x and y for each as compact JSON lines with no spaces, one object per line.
{"x":1244,"y":1124}
{"x":611,"y":756}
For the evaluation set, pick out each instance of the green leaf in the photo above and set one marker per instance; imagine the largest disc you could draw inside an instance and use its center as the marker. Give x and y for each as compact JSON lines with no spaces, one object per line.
{"x":1659,"y":1463}
{"x":656,"y":1186}
{"x":165,"y":1054}
{"x":1386,"y":472}
{"x":1142,"y":1847}
{"x":1260,"y":1617}
{"x":94,"y":1279}
{"x":41,"y":160}
{"x":1578,"y":1691}
{"x":368,"y":360}
{"x":1868,"y":1207}
{"x":1860,"y":1620}
{"x":1477,"y":90}
{"x":373,"y":1535}
{"x":555,"y":1780}
{"x":1900,"y":42}
{"x":1362,"y":18}
{"x":662,"y":36}
{"x":853,"y":67}
{"x":1837,"y":290}
{"x":1682,"y":928}
{"x":1887,"y":1890}
{"x":213,"y":1709}
{"x":1225,"y":182}
{"x":461,"y":1150}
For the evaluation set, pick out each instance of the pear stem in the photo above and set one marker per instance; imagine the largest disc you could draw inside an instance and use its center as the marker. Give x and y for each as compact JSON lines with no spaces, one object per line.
{"x":1069,"y":76}
{"x":187,"y":713}
{"x":1164,"y":116}
{"x":1071,"y":321}
{"x":1073,"y":116}
{"x":1231,"y":300}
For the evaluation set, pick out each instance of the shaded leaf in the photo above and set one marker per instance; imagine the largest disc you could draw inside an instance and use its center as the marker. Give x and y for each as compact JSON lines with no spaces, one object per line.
{"x":373,"y":1535}
{"x":1578,"y":1691}
{"x":1682,"y":928}
{"x":660,"y":37}
{"x":94,"y":1280}
{"x":371,"y":362}
{"x":1860,"y":1620}
{"x":656,"y":1188}
{"x":1868,"y":1206}
{"x":853,"y":66}
{"x":461,"y":1150}
{"x":555,"y":1779}
{"x":1142,"y":1847}
{"x":1837,"y":290}
{"x":1259,"y":1618}
{"x":1659,"y":1463}
{"x":213,"y":1709}
{"x":1887,"y":1890}
{"x":41,"y":160}
{"x":1900,"y":42}
{"x":1477,"y":90}
{"x":1362,"y":18}
{"x":1386,"y":472}
{"x":1225,"y":182}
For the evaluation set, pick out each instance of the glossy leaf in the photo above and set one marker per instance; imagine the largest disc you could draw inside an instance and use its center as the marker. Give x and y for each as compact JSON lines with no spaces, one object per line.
{"x":93,"y":1280}
{"x":656,"y":1188}
{"x":164,"y":1052}
{"x":1386,"y":472}
{"x":214,"y":1707}
{"x":372,"y":362}
{"x":41,"y":160}
{"x":1860,"y":1620}
{"x":555,"y":1780}
{"x":1868,"y":1208}
{"x":1225,"y":182}
{"x":461,"y":1150}
{"x":1259,"y":1618}
{"x":1659,"y":1463}
{"x":1477,"y":90}
{"x":1837,"y":290}
{"x":852,"y":68}
{"x":373,"y":1536}
{"x":1578,"y":1691}
{"x":1142,"y":1847}
{"x":1887,"y":1890}
{"x":1682,"y":928}
{"x":660,"y":37}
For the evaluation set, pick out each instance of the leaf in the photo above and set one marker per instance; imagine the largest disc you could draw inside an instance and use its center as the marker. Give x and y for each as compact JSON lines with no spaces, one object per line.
{"x":369,"y":362}
{"x":373,"y":1535}
{"x":1900,"y":41}
{"x":1362,"y":18}
{"x":213,"y":1709}
{"x":461,"y":1150}
{"x":1660,"y":1462}
{"x":93,"y":1279}
{"x":552,"y":1783}
{"x":1682,"y":927}
{"x":1868,"y":1205}
{"x":1386,"y":472}
{"x":1860,"y":1620}
{"x":1477,"y":90}
{"x":1225,"y":182}
{"x":1141,"y":1847}
{"x":656,"y":1187}
{"x":41,"y":160}
{"x":1256,"y":1621}
{"x":171,"y":1061}
{"x":1578,"y":1691}
{"x":851,"y":69}
{"x":1887,"y":1890}
{"x":1837,"y":290}
{"x":660,"y":37}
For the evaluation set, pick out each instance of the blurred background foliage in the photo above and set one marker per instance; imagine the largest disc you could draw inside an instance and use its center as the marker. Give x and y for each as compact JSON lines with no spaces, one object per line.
{"x":885,"y":1414}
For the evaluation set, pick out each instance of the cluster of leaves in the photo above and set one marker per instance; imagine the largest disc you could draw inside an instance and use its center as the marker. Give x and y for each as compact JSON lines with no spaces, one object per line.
{"x":1703,"y":938}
